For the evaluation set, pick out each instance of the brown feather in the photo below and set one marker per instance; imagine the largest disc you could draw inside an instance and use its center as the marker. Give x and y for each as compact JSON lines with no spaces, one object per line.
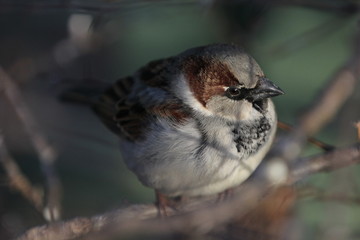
{"x":129,"y":119}
{"x":207,"y":76}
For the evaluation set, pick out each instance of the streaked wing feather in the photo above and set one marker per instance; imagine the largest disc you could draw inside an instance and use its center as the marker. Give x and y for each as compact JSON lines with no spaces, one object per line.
{"x":129,"y":118}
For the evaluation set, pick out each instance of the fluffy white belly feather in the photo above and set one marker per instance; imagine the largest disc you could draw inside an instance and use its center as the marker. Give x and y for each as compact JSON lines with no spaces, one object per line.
{"x":175,"y":162}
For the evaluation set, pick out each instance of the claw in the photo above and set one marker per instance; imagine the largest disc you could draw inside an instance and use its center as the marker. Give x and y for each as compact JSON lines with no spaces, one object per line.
{"x":225,"y":195}
{"x":161,"y":203}
{"x":164,"y":203}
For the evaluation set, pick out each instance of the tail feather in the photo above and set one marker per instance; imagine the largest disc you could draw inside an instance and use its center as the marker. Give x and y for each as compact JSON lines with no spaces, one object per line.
{"x":86,"y":92}
{"x":109,"y":103}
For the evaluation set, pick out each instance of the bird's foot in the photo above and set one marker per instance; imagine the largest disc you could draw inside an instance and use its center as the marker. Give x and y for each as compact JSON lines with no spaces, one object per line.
{"x":164,"y":203}
{"x":228,"y":193}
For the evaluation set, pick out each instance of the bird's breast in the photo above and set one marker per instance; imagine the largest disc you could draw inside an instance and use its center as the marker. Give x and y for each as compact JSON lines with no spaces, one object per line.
{"x":249,"y":138}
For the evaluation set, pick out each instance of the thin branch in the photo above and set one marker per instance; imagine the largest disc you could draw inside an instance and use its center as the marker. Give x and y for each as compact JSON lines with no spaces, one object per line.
{"x":45,"y":151}
{"x":338,"y":198}
{"x":332,"y":97}
{"x":320,"y":195}
{"x":308,"y":37}
{"x":18,"y":180}
{"x":329,"y":161}
{"x":357,"y":125}
{"x":312,"y":140}
{"x":329,"y":101}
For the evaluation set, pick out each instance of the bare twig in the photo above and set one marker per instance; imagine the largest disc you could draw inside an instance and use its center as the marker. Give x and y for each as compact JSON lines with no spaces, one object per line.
{"x":319,"y":194}
{"x":18,"y":180}
{"x":325,"y":162}
{"x":330,"y":100}
{"x":343,"y":199}
{"x":332,"y":97}
{"x":315,"y":34}
{"x":357,"y":125}
{"x":312,"y":140}
{"x":46,"y":152}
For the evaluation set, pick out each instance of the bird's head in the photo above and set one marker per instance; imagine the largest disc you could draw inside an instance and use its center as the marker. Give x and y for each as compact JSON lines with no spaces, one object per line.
{"x":223,"y":80}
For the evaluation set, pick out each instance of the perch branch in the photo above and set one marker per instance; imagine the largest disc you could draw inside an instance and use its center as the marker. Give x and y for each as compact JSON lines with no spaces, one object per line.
{"x":199,"y":216}
{"x":17,"y":179}
{"x":46,"y":152}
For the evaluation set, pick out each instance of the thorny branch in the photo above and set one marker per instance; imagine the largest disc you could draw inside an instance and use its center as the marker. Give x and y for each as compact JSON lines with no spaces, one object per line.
{"x":46,"y":152}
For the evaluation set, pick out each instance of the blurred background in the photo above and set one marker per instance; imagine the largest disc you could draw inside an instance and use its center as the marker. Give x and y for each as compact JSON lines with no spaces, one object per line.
{"x":49,"y":46}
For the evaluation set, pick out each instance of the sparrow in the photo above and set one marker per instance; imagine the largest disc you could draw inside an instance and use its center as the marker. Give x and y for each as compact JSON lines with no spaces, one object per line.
{"x":195,"y":124}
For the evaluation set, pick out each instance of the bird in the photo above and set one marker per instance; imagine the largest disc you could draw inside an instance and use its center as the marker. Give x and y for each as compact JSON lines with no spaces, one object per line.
{"x":195,"y":124}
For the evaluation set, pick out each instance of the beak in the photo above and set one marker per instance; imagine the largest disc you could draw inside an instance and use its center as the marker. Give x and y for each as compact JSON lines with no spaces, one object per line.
{"x":264,"y":89}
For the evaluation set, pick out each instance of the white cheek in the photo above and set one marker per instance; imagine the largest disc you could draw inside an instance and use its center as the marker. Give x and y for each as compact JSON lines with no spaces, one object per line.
{"x":232,"y":110}
{"x":245,"y":111}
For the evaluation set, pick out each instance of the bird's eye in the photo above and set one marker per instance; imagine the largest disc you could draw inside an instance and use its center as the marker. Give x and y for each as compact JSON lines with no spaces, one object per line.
{"x":233,"y":91}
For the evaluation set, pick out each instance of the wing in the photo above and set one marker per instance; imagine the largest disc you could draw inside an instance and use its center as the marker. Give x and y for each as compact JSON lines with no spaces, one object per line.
{"x":131,"y":103}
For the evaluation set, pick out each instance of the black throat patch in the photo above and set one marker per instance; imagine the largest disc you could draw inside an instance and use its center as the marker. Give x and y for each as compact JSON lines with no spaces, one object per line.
{"x":249,"y":138}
